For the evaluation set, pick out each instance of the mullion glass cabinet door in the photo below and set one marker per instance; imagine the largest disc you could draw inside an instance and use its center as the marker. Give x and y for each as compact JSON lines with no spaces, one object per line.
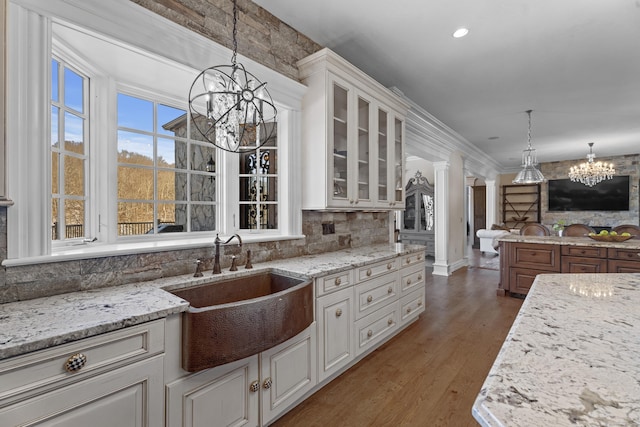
{"x":340,"y":141}
{"x":363,"y":150}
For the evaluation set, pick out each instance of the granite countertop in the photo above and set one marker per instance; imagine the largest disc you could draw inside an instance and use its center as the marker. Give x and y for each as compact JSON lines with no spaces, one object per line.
{"x":44,"y":322}
{"x":571,"y":357}
{"x":569,"y":241}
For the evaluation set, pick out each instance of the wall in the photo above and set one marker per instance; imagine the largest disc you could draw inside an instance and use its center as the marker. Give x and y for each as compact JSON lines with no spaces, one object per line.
{"x":625,"y":165}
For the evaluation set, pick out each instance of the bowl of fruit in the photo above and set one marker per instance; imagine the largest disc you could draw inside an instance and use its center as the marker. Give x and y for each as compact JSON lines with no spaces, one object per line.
{"x":609,"y":236}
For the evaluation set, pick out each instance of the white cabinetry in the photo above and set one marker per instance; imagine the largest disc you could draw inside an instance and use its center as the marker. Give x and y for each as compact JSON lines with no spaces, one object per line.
{"x":353,"y":138}
{"x":251,"y":391}
{"x":118,"y":380}
{"x":334,"y":313}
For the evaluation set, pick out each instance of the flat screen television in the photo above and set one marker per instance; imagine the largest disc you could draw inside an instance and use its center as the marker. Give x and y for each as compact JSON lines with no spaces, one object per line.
{"x":609,"y":195}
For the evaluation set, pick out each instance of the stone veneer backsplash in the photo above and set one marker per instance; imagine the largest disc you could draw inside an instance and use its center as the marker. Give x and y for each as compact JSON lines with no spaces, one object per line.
{"x":352,"y":229}
{"x":624,"y":165}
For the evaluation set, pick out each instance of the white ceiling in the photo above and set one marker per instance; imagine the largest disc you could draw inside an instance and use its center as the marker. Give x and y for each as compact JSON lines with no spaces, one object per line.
{"x":575,"y":63}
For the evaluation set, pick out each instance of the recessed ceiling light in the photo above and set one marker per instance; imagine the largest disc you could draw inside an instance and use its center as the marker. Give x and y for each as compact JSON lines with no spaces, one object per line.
{"x":493,"y":138}
{"x":460,"y":32}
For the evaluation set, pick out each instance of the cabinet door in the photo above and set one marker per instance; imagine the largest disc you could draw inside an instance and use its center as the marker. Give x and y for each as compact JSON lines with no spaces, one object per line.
{"x":288,"y":371}
{"x":129,"y":397}
{"x":521,"y":279}
{"x":363,"y":154}
{"x":340,"y":127}
{"x":622,"y":266}
{"x":396,"y":178}
{"x":383,"y":158}
{"x":335,"y":337}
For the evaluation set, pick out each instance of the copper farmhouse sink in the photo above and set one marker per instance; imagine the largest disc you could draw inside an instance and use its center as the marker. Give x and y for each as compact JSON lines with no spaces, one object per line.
{"x":232,"y":319}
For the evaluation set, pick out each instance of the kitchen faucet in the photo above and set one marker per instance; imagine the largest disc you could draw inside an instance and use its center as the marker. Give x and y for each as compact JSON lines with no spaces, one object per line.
{"x":218,"y":242}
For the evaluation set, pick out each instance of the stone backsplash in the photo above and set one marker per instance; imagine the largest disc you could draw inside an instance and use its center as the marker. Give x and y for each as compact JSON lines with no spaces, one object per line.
{"x":625,"y":165}
{"x":352,"y":229}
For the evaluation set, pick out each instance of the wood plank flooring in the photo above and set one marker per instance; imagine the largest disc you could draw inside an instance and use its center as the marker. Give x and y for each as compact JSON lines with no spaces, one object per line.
{"x":431,"y":373}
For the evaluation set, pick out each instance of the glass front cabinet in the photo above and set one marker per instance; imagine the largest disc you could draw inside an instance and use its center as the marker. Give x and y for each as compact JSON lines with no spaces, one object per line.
{"x":353,"y":138}
{"x":419,"y":215}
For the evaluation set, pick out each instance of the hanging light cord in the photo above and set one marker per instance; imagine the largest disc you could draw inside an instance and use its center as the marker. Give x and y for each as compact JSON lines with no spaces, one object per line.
{"x":235,"y":32}
{"x":529,"y":133}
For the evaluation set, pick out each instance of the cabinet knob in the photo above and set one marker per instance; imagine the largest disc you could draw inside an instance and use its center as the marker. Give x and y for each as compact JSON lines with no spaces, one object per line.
{"x":389,"y":266}
{"x":75,"y":362}
{"x":390,"y":322}
{"x":408,"y":281}
{"x":338,"y":281}
{"x":408,"y":261}
{"x":254,"y":386}
{"x":351,"y":201}
{"x":419,"y":303}
{"x":390,"y":290}
{"x":369,"y":333}
{"x":339,"y":312}
{"x":419,"y":276}
{"x":369,"y":272}
{"x":369,"y":298}
{"x":408,"y":310}
{"x":357,"y":201}
{"x":267,"y":383}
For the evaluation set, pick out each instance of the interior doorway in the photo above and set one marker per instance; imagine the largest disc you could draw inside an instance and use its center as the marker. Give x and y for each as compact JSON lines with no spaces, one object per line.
{"x":479,"y":212}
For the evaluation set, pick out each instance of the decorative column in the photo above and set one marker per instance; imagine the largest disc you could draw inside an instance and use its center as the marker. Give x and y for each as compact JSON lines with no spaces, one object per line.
{"x":492,"y":203}
{"x":441,"y":263}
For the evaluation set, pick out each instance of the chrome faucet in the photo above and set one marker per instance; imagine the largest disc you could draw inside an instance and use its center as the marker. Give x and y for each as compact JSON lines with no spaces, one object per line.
{"x":216,"y":259}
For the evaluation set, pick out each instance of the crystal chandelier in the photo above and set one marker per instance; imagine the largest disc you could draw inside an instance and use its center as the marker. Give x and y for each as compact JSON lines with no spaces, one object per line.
{"x":230,"y":107}
{"x":529,"y":173}
{"x":590,"y":173}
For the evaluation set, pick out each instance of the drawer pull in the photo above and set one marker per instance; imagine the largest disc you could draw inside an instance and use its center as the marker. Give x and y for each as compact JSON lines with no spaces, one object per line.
{"x":419,"y":276}
{"x":408,"y":260}
{"x":338,"y":281}
{"x":418,"y":257}
{"x":369,"y":298}
{"x":267,"y":383}
{"x":339,"y":312}
{"x":389,"y":266}
{"x":408,"y":310}
{"x":254,"y":386}
{"x":390,"y":290}
{"x":369,"y":272}
{"x":75,"y":362}
{"x":369,"y":333}
{"x":408,"y":281}
{"x":419,"y":303}
{"x":390,"y":322}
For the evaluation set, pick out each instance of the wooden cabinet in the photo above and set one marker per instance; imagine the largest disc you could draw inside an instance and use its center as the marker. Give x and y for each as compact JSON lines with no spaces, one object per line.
{"x":583,"y":259}
{"x":115,"y":379}
{"x":623,"y":260}
{"x":353,"y":138}
{"x":520,"y":204}
{"x":418,"y":225}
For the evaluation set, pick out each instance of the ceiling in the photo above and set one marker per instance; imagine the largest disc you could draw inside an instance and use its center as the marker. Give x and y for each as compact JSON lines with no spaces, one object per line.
{"x":575,"y":63}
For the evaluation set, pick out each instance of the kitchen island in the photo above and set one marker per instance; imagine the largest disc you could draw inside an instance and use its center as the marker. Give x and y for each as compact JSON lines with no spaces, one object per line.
{"x":522,"y":258}
{"x":571,"y":357}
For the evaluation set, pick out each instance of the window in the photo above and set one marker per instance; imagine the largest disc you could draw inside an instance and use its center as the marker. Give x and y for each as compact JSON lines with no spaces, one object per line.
{"x":108,"y":141}
{"x":166,"y":182}
{"x":69,"y":149}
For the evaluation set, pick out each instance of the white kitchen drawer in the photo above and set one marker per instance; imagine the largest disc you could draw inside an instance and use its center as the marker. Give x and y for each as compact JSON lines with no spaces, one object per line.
{"x":412,"y":277}
{"x":411,"y":305}
{"x":334,"y":282}
{"x":45,"y":369}
{"x":412,"y":259}
{"x":373,"y":294}
{"x":376,"y":327}
{"x":374,"y":270}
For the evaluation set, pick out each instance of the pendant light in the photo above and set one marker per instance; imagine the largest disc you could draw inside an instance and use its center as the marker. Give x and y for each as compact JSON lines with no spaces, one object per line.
{"x":529,"y":173}
{"x":230,"y":107}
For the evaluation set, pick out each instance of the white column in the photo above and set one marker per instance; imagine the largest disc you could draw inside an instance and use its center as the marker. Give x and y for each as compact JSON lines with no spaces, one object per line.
{"x":441,"y":263}
{"x":469,"y":226}
{"x":492,"y":203}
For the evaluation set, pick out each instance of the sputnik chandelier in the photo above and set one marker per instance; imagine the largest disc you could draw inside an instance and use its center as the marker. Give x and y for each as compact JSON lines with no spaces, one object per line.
{"x":529,"y":173}
{"x":591,"y":173}
{"x":230,"y":107}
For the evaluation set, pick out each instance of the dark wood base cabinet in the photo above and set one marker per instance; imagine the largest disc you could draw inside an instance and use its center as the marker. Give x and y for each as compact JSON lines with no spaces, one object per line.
{"x":521,"y":262}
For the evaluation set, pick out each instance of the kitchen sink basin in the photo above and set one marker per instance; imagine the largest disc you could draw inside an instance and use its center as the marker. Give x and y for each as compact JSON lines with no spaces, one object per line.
{"x":232,"y":319}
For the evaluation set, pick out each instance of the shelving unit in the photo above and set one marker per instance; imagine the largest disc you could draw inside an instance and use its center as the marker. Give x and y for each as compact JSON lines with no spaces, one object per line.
{"x":520,"y":204}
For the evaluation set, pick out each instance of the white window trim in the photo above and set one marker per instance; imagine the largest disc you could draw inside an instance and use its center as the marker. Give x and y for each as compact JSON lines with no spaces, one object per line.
{"x":28,"y":82}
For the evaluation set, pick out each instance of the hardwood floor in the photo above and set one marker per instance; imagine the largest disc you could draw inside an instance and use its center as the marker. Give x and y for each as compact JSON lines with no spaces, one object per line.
{"x":431,"y":373}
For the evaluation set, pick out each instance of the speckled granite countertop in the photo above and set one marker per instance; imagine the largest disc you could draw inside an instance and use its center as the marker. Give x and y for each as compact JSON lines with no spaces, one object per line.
{"x":44,"y":322}
{"x":570,"y":241}
{"x":571,"y":357}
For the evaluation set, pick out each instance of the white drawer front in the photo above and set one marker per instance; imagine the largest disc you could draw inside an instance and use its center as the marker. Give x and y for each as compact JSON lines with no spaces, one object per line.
{"x":46,"y":369}
{"x":374,"y":328}
{"x":334,"y":282}
{"x":373,"y":294}
{"x":412,"y":305}
{"x":377,"y":269}
{"x":412,"y":259}
{"x":412,"y":278}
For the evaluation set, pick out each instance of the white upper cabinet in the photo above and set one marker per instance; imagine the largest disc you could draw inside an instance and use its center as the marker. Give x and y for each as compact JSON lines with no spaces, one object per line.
{"x":352,"y":138}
